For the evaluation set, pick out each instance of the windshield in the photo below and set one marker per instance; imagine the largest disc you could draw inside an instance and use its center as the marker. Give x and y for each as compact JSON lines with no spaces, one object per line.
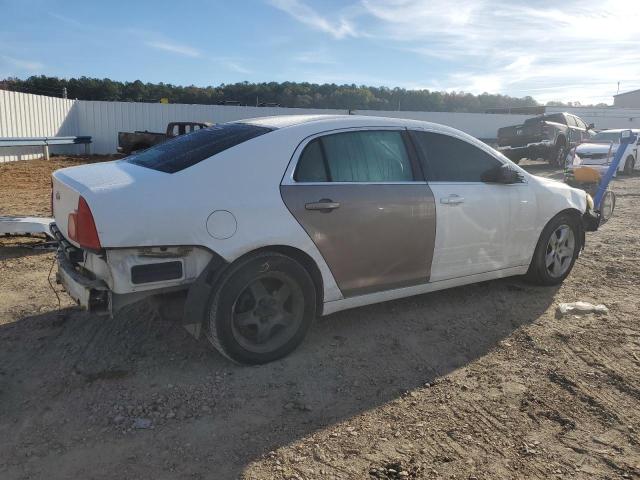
{"x":184,"y":151}
{"x":606,"y":137}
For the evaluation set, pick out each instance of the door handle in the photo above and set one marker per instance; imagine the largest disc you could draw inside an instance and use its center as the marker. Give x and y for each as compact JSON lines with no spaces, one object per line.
{"x":325,"y":205}
{"x":452,"y":199}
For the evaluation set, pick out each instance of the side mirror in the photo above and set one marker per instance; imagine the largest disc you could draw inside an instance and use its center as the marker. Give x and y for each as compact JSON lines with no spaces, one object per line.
{"x":502,"y":174}
{"x":591,"y":126}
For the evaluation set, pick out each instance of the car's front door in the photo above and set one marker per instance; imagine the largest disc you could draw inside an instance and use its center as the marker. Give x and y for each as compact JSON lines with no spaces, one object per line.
{"x":481,"y":227}
{"x":360,"y":196}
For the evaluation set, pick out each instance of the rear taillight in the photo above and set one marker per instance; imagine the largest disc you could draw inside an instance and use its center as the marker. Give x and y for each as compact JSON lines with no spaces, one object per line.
{"x":82,"y":228}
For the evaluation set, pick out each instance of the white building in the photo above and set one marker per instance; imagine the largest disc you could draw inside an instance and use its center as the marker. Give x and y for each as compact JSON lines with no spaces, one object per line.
{"x":627,"y":99}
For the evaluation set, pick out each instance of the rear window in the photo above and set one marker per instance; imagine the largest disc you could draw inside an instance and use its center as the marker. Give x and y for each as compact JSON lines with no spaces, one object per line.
{"x":187,"y":150}
{"x":554,"y":117}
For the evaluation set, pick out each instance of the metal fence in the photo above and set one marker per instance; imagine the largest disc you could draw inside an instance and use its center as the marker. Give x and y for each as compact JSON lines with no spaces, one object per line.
{"x":26,"y":115}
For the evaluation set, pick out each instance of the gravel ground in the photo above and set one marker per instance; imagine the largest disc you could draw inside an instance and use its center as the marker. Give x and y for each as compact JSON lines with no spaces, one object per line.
{"x":479,"y":382}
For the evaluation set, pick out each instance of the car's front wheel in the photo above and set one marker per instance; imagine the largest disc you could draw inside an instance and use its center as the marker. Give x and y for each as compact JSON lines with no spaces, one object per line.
{"x":628,"y":165}
{"x":559,"y":155}
{"x":556,"y":252}
{"x":262,"y":309}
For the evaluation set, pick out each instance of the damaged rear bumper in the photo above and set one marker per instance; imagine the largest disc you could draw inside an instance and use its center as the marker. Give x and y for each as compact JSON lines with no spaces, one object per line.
{"x":91,"y":294}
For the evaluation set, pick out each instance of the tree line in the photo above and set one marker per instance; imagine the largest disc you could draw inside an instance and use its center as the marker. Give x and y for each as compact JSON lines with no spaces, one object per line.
{"x":285,"y":94}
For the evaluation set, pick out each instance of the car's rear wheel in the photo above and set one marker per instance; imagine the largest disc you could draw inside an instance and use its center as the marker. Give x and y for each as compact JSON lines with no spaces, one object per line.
{"x":628,"y":165}
{"x":262,"y":309}
{"x":556,"y":252}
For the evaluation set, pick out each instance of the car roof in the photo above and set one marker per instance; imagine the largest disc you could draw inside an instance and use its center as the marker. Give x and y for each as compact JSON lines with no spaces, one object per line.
{"x":333,"y":122}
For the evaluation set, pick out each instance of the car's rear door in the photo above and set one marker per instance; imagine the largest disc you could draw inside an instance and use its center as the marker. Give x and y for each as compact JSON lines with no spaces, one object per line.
{"x":361,"y":197}
{"x":481,"y":227}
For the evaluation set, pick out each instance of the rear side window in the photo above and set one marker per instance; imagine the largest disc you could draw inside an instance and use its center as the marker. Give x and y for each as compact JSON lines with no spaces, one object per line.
{"x":185,"y":151}
{"x":449,"y":159}
{"x":362,"y":156}
{"x":311,"y":166}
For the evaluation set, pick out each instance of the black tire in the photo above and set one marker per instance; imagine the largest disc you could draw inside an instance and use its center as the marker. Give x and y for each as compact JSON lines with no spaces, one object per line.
{"x":238,"y":317}
{"x":544,"y":268}
{"x":628,"y":166}
{"x":559,"y":155}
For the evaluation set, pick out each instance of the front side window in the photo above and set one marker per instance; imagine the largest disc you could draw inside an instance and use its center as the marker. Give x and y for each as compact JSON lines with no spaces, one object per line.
{"x":372,"y":156}
{"x":184,"y":151}
{"x":449,"y":159}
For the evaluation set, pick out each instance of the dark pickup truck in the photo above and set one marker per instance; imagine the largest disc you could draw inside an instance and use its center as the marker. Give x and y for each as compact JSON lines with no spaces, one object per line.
{"x":129,"y":142}
{"x":548,"y":136}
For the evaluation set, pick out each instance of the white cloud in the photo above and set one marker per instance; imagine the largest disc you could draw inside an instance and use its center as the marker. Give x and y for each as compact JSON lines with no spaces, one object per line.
{"x":570,"y":50}
{"x":339,"y":28}
{"x":22,"y":64}
{"x":172,"y":47}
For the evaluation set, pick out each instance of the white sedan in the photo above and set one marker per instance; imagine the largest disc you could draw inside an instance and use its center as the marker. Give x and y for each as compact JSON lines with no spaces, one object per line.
{"x":265,"y":223}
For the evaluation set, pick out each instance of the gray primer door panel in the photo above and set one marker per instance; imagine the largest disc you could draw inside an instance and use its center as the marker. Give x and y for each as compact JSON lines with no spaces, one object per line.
{"x":372,"y":236}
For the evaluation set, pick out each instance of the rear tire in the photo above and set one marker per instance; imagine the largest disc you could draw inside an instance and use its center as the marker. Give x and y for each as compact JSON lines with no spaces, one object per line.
{"x":628,"y":166}
{"x":262,"y":308}
{"x":556,"y":252}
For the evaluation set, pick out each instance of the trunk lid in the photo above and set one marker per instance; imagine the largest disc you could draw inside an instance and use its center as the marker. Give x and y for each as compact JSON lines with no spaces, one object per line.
{"x":98,"y":184}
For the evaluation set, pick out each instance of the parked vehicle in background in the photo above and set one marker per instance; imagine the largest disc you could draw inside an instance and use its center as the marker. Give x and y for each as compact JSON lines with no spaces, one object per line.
{"x":129,"y":142}
{"x":266,"y":222}
{"x":549,"y":136}
{"x":599,"y":151}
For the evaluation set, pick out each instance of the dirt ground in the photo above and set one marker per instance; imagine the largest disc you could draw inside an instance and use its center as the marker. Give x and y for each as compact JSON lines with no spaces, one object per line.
{"x":479,"y":382}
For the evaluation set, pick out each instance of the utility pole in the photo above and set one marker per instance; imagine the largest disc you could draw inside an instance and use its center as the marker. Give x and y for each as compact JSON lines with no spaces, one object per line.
{"x":64,"y":92}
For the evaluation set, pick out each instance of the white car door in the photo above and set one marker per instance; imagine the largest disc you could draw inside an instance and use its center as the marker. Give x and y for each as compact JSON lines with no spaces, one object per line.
{"x":480,"y":227}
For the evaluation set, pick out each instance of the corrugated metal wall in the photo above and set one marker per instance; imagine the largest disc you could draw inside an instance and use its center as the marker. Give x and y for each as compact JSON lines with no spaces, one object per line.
{"x":103,"y":120}
{"x":26,"y":115}
{"x":480,"y":125}
{"x":604,"y":118}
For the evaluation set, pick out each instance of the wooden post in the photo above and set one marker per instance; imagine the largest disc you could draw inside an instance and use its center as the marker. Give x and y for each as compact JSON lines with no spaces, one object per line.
{"x":45,"y":150}
{"x":87,"y":148}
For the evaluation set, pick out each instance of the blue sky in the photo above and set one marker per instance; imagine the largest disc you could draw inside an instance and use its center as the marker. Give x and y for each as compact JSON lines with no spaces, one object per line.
{"x":573,"y":50}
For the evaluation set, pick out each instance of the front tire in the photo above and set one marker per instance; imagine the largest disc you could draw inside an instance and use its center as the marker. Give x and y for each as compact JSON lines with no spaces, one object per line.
{"x":556,"y":252}
{"x":262,"y":308}
{"x":628,"y":166}
{"x":559,"y":155}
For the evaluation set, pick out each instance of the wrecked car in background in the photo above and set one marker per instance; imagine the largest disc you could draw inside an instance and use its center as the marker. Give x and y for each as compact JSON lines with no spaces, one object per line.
{"x":548,"y":136}
{"x":599,"y":151}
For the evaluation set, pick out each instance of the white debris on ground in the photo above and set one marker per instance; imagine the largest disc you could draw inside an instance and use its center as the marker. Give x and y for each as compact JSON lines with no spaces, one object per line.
{"x":581,"y":308}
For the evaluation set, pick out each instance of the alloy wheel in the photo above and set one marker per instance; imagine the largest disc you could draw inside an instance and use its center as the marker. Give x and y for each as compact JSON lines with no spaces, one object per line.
{"x":560,"y":250}
{"x":268,"y":312}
